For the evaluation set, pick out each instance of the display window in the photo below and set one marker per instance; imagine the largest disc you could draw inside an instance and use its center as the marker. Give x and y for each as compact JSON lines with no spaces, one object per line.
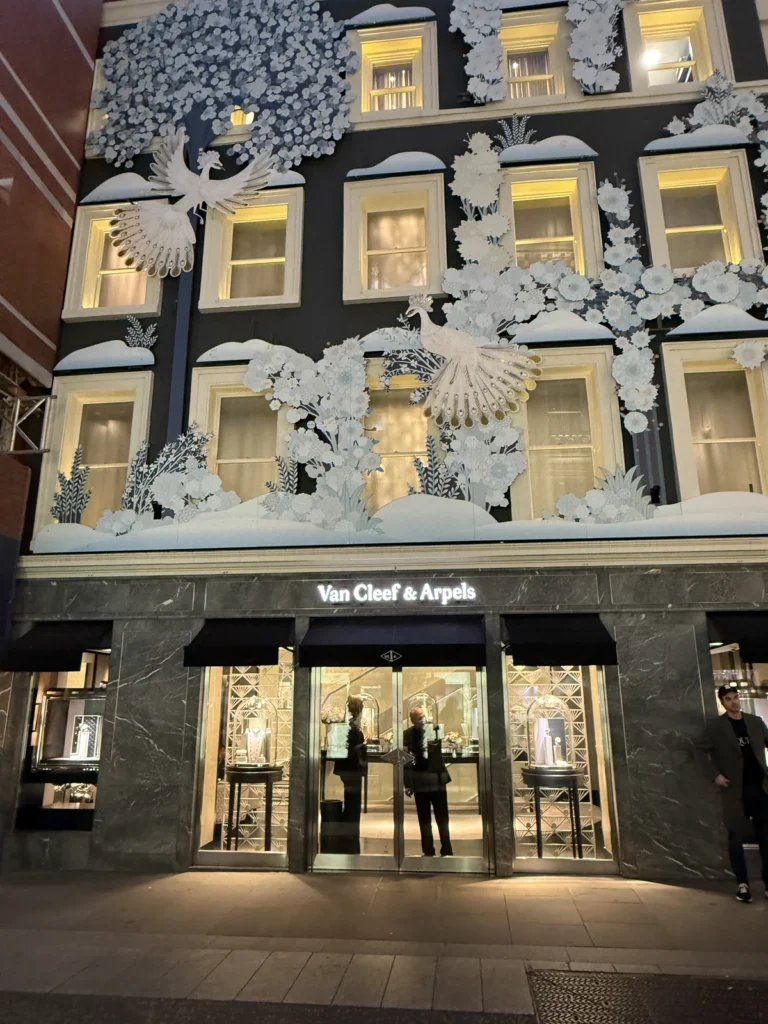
{"x":730,"y":668}
{"x":561,"y":766}
{"x":246,"y":763}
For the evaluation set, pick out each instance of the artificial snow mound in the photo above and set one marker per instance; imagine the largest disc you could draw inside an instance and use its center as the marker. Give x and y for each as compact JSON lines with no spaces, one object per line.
{"x":234,"y":351}
{"x":424,"y":518}
{"x":706,"y":137}
{"x":729,"y":504}
{"x":104,"y":356}
{"x":128,"y":185}
{"x":285,"y":179}
{"x":400,"y":163}
{"x":562,"y":325}
{"x":719,"y":319}
{"x":386,"y":14}
{"x":556,"y":147}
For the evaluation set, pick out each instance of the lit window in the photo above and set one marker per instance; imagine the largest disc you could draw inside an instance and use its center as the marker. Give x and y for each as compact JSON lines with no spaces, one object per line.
{"x":561,"y":452}
{"x":246,"y":442}
{"x":401,"y":432}
{"x":719,"y":418}
{"x":99,"y":283}
{"x":105,"y":437}
{"x":252,"y":258}
{"x":675,"y":47}
{"x":398,"y":71}
{"x":394,"y":237}
{"x":240,"y":117}
{"x":554,"y":216}
{"x":699,"y":208}
{"x":531,"y":54}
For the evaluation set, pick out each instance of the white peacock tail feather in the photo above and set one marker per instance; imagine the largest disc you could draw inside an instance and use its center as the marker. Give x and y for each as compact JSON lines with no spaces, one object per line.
{"x":489,"y":386}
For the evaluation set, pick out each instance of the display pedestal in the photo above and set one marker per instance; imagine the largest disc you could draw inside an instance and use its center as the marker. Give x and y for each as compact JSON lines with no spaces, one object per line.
{"x":250,"y":775}
{"x":556,"y":777}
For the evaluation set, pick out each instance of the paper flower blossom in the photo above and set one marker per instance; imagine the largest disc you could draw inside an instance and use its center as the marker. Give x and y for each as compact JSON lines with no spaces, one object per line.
{"x":750,"y":354}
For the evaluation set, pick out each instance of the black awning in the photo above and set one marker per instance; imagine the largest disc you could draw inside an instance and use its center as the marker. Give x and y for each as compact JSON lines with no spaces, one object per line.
{"x":239,"y":642}
{"x":55,"y":646}
{"x":394,"y":640}
{"x":579,"y":639}
{"x":747,"y":629}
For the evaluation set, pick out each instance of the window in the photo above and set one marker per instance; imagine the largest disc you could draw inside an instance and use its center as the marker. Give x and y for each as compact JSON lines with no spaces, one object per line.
{"x":675,"y":44}
{"x":248,"y":435}
{"x":252,"y":258}
{"x":107,"y":414}
{"x":554,"y":215}
{"x":534,"y":55}
{"x":394,"y":237}
{"x":398,"y":71}
{"x":99,"y":282}
{"x":401,"y":432}
{"x":572,"y":429}
{"x":719,"y":416}
{"x":699,"y":207}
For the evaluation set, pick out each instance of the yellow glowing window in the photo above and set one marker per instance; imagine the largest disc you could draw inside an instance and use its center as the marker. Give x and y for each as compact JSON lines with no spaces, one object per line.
{"x":240,"y":117}
{"x":256,"y":265}
{"x":401,"y":432}
{"x":561,"y":448}
{"x":699,"y":216}
{"x":547,"y":222}
{"x":246,"y":444}
{"x":105,"y":436}
{"x":675,"y":46}
{"x":108,"y":282}
{"x":392,"y":75}
{"x":395,"y":252}
{"x":529,"y":59}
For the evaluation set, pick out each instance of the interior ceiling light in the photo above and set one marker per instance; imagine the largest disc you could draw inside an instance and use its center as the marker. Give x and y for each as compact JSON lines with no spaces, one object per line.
{"x":651,"y":58}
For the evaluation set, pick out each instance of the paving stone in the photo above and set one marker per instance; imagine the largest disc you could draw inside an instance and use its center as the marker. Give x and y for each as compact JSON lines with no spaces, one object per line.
{"x":365,"y":980}
{"x":505,"y":987}
{"x":92,"y":979}
{"x":411,"y":983}
{"x":233,"y":973}
{"x":547,"y":965}
{"x":320,"y":979}
{"x":192,"y":969}
{"x":274,"y":979}
{"x":605,"y":968}
{"x":458,"y":985}
{"x":637,"y":968}
{"x":139,"y":975}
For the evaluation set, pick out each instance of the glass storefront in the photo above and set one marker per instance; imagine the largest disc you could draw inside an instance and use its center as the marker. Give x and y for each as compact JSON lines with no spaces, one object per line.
{"x":399,"y":768}
{"x":245,"y":764}
{"x":751,"y":679}
{"x":561,"y":765}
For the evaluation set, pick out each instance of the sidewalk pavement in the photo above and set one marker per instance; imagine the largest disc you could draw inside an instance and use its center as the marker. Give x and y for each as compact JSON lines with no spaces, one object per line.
{"x":445,"y":943}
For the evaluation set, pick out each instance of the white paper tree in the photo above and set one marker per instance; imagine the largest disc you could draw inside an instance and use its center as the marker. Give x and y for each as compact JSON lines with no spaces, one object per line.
{"x":71,"y":498}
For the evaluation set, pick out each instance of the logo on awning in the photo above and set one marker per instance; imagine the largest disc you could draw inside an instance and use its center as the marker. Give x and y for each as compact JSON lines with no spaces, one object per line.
{"x":392,"y":656}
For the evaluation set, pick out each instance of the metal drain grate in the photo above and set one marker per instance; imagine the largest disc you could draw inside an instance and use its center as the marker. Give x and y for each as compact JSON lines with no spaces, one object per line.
{"x":563,"y":997}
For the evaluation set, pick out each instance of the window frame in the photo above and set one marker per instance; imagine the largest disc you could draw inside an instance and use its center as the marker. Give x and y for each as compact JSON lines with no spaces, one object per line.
{"x":219,"y":229}
{"x":71,"y":394}
{"x":425,"y":67}
{"x":81,"y":263}
{"x":709,"y":356}
{"x":356,"y":192}
{"x":565,"y":86}
{"x":585,"y":213}
{"x":742,"y":216}
{"x":591,"y":363}
{"x":716,"y":36}
{"x":212,"y":383}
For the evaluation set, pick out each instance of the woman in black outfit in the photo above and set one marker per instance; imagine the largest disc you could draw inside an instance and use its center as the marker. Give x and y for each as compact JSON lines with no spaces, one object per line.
{"x":351,"y":770}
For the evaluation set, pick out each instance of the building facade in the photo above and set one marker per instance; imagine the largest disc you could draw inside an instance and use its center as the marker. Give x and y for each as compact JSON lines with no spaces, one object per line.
{"x":558,"y":580}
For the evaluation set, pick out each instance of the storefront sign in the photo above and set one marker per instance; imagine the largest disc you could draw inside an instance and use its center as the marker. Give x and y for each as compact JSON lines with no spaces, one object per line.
{"x":396,"y":593}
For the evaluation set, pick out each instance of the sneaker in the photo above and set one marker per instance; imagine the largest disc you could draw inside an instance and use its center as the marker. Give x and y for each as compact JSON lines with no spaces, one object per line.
{"x":743,"y":895}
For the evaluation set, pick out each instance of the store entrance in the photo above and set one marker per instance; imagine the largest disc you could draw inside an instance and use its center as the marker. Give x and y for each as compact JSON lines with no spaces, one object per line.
{"x":398,"y":769}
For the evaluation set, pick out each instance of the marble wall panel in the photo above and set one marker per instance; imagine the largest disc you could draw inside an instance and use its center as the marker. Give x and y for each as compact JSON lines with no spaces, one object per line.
{"x":668,"y":820}
{"x":688,"y":588}
{"x":108,"y":598}
{"x":46,"y":851}
{"x":15,"y":699}
{"x":144,"y":810}
{"x":299,"y":831}
{"x":499,"y":815}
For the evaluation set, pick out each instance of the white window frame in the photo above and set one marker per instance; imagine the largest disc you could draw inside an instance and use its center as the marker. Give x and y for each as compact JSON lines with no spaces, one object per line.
{"x":217,"y":250}
{"x":585,"y":213}
{"x":385,"y":191}
{"x":82,"y":263}
{"x":71,"y":394}
{"x":591,"y":363}
{"x":416,"y":42}
{"x":737,"y":206}
{"x":212,"y":383}
{"x":552,"y":24}
{"x":719,"y":55}
{"x":679,"y":357}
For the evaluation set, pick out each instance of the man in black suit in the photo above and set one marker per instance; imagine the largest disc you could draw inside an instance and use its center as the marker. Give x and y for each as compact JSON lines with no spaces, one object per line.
{"x":732,"y":755}
{"x":427,"y":779}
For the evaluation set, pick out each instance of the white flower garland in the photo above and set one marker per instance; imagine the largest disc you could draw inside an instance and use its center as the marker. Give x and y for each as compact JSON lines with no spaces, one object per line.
{"x":479,"y":21}
{"x":594,"y":46}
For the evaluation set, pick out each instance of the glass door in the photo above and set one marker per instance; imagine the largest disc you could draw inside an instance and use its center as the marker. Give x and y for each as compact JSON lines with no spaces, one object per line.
{"x":398,"y":769}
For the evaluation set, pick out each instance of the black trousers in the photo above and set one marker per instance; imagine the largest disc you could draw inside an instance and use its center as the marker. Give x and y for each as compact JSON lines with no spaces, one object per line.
{"x":425,"y":802}
{"x":755,"y":807}
{"x":350,"y":817}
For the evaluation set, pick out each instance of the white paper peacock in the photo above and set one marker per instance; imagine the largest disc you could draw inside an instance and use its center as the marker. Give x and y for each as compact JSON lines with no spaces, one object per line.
{"x":477,"y":383}
{"x":159,"y":238}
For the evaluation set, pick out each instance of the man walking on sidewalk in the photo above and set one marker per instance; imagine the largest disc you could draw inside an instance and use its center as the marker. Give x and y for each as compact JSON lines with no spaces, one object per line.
{"x":732,"y":754}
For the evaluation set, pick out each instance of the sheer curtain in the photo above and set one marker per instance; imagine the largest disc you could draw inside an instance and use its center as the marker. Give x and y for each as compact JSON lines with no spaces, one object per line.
{"x":401,"y":431}
{"x":524,"y":66}
{"x":391,"y":87}
{"x":544,"y":230}
{"x":117,"y":284}
{"x":723,"y":429}
{"x":560,"y":445}
{"x":396,"y":249}
{"x":105,"y":437}
{"x":693,"y":207}
{"x":247,"y":445}
{"x":257,"y":264}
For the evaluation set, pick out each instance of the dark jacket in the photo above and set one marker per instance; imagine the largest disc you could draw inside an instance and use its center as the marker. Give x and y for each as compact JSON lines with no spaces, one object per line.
{"x":719,"y":753}
{"x":355,"y":761}
{"x":426,"y":774}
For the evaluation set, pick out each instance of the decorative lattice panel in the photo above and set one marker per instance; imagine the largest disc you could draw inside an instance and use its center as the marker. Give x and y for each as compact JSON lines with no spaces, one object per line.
{"x":525,"y":686}
{"x":243,"y":684}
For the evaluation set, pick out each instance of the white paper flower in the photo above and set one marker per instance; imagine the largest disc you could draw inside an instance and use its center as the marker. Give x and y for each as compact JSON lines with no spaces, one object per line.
{"x":707,"y":273}
{"x":613,"y":200}
{"x":649,"y":307}
{"x":616,"y":255}
{"x":635,"y":422}
{"x":641,"y":339}
{"x":723,"y":288}
{"x":658,"y":279}
{"x":633,"y":367}
{"x":690,"y":308}
{"x":749,"y":354}
{"x":641,"y":396}
{"x":614,"y":280}
{"x":574,"y":287}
